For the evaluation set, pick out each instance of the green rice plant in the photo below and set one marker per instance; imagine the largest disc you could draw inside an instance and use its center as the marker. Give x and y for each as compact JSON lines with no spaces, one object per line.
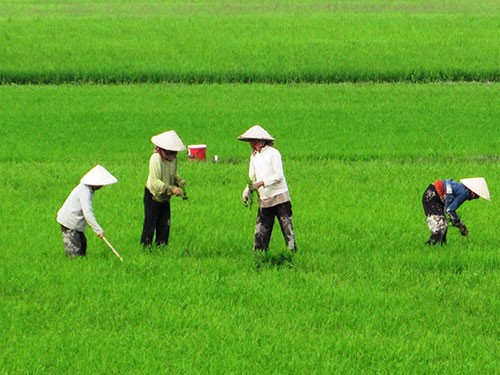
{"x":347,"y":122}
{"x":118,"y":41}
{"x":273,"y":259}
{"x":363,"y":294}
{"x":253,"y":194}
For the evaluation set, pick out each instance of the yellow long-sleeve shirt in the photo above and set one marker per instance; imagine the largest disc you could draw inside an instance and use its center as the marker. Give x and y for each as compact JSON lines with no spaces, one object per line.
{"x":162,"y":177}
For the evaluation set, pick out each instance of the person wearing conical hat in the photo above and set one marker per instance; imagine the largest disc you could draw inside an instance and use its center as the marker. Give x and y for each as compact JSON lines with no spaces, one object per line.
{"x":268,"y":179}
{"x":442,"y":198}
{"x":162,"y":183}
{"x":76,"y":212}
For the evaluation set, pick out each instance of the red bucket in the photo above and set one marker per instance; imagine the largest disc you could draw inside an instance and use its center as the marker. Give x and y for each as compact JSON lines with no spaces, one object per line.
{"x":197,"y":152}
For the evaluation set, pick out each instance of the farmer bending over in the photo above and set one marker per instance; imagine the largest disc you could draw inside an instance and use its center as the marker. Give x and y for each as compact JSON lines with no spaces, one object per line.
{"x":443,"y":197}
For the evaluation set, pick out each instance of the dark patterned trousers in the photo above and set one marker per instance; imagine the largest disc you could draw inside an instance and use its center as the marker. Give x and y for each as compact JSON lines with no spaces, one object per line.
{"x":75,"y":243}
{"x":265,"y":223}
{"x":156,"y":218}
{"x":436,"y":219}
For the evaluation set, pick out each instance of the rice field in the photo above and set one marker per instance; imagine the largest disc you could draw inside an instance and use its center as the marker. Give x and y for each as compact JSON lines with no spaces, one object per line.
{"x":250,"y":41}
{"x":363,"y":294}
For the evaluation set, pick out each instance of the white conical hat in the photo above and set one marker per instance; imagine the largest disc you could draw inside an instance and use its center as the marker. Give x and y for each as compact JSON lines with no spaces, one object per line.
{"x":256,"y":132}
{"x":98,"y":176}
{"x":477,"y":185}
{"x":168,"y":141}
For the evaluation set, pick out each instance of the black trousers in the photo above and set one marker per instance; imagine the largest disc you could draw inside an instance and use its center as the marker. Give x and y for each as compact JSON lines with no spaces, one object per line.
{"x":265,"y":223}
{"x":434,"y":212}
{"x":156,"y":218}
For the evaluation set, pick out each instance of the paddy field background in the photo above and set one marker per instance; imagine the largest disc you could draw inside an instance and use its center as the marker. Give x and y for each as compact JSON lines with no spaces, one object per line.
{"x":370,"y":101}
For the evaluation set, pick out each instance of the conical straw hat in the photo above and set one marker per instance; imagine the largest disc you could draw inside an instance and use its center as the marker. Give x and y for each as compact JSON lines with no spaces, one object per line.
{"x":168,"y":141}
{"x":477,"y":185}
{"x":256,"y":132}
{"x":98,"y":176}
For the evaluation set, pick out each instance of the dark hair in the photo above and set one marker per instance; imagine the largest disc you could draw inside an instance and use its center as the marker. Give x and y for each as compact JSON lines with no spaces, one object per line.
{"x":267,"y":142}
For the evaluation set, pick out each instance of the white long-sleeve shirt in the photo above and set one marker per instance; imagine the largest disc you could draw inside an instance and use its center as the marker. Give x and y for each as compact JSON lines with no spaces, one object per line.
{"x":76,"y":211}
{"x":267,"y":166}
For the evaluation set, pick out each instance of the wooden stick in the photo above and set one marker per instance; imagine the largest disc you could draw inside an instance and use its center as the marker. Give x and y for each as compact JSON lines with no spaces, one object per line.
{"x":112,"y":248}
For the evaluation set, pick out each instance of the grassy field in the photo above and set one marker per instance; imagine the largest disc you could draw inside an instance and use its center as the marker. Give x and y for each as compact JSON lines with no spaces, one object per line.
{"x":415,"y":99}
{"x":363,"y":294}
{"x":251,"y":41}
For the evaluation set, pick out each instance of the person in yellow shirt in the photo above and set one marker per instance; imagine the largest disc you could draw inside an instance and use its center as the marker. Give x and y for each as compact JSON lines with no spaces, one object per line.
{"x":163,"y":182}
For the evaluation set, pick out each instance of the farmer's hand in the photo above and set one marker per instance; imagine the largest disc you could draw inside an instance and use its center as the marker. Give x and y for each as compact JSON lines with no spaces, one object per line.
{"x":245,"y":196}
{"x":463,"y":230}
{"x":101,"y":235}
{"x":257,"y":185}
{"x":177,"y":191}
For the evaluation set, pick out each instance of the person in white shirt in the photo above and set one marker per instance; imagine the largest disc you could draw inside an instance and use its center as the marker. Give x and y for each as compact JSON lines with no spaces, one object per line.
{"x":268,"y":179}
{"x":76,"y":212}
